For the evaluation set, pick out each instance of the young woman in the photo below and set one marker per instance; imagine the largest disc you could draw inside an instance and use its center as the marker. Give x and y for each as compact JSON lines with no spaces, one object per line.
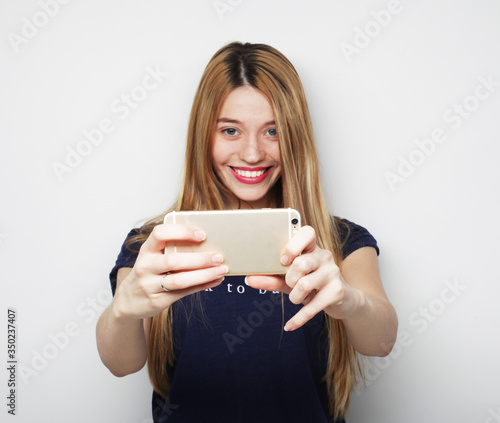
{"x":216,"y":347}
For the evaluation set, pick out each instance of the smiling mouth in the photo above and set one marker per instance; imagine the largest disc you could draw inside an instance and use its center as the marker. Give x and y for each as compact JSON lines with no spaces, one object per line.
{"x":250,"y":173}
{"x":252,"y":176}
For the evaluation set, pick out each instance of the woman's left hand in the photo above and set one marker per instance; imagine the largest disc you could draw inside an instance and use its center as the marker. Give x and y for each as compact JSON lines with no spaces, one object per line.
{"x":313,"y":279}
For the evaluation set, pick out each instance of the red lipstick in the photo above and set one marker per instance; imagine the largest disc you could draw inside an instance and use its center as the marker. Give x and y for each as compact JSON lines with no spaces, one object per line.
{"x":250,"y":175}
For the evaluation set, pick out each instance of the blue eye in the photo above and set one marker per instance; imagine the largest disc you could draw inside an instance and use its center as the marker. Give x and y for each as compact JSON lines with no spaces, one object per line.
{"x":272,"y":132}
{"x":230,"y":131}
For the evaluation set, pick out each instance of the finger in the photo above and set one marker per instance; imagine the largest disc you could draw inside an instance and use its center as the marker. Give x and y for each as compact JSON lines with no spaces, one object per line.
{"x":163,"y":233}
{"x":303,"y":290}
{"x":309,"y":297}
{"x":164,"y":299}
{"x":313,"y":280}
{"x":173,"y":262}
{"x":181,"y":280}
{"x":300,"y":267}
{"x":268,"y":283}
{"x":316,"y":304}
{"x":303,"y":241}
{"x":197,"y":288}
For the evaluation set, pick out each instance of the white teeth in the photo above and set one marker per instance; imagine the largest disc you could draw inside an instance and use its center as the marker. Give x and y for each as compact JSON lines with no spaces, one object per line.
{"x":248,"y":174}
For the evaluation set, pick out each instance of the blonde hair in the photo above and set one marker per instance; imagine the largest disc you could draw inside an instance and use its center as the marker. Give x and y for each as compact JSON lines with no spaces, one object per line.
{"x":267,"y":70}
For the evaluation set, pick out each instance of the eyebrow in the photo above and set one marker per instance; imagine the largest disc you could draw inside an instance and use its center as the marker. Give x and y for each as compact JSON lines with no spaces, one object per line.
{"x":228,"y":120}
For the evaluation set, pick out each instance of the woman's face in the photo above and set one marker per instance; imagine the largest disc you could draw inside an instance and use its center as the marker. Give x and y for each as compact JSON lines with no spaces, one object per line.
{"x":245,"y":150}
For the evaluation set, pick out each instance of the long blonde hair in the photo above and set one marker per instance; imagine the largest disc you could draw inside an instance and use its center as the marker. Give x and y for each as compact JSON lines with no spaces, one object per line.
{"x":267,"y":70}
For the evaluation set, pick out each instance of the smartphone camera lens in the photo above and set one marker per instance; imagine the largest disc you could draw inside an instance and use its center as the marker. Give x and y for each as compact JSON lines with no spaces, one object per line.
{"x":295,"y":221}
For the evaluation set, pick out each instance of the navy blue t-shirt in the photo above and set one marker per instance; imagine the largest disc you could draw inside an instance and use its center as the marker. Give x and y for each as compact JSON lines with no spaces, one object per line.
{"x":233,"y":361}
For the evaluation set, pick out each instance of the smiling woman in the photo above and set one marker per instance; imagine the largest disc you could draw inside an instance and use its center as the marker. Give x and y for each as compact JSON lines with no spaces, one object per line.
{"x":246,"y":154}
{"x":250,"y":144}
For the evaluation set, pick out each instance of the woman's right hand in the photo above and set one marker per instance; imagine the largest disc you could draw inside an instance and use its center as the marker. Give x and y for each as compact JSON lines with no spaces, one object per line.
{"x":140,"y":294}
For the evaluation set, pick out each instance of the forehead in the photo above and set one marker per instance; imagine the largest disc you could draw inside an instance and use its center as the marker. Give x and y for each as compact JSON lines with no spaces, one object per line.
{"x":246,"y":101}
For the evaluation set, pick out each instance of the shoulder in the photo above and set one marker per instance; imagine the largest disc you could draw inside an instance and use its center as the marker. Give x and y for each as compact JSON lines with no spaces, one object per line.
{"x":354,"y":236}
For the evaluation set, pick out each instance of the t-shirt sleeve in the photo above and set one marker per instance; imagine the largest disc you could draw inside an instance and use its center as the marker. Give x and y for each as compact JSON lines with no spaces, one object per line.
{"x":354,"y":237}
{"x":126,"y":258}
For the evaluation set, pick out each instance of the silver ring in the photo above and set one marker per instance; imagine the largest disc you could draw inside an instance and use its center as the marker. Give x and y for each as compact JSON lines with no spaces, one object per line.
{"x":163,"y":280}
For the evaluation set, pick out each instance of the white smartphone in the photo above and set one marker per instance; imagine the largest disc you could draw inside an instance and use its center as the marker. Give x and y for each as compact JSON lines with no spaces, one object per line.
{"x":250,"y":241}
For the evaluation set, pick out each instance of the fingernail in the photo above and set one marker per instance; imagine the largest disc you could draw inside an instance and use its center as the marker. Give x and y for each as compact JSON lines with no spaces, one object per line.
{"x":200,"y":235}
{"x":288,"y":327}
{"x":217,"y":258}
{"x":284,"y":260}
{"x":221,"y":270}
{"x":246,"y":281}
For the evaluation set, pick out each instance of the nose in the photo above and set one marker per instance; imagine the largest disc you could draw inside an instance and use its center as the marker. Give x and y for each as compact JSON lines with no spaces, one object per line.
{"x":252,"y":150}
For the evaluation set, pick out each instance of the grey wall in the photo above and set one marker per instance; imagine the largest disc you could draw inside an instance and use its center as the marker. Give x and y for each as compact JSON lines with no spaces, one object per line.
{"x":405,"y":99}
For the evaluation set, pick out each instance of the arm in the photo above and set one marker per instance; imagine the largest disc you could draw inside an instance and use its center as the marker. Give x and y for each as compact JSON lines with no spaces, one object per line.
{"x":372,"y":324}
{"x":123,"y":328}
{"x":122,"y":343}
{"x":356,"y":295}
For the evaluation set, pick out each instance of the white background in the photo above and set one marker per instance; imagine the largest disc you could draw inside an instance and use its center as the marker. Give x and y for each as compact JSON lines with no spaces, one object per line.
{"x":370,"y":97}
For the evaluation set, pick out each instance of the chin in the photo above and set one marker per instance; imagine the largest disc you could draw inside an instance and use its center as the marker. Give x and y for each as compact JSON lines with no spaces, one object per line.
{"x":254,"y":202}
